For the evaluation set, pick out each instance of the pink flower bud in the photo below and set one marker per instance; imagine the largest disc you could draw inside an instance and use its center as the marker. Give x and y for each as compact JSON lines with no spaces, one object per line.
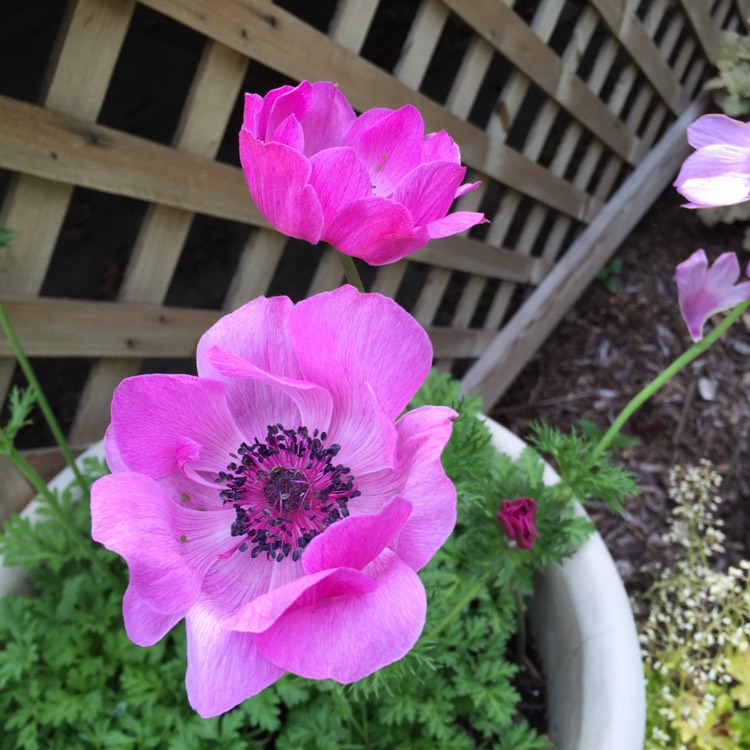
{"x":517,"y":518}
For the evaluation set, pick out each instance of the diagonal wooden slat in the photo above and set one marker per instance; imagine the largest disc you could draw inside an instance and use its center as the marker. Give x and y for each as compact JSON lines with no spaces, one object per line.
{"x":704,"y":26}
{"x":502,"y":28}
{"x":620,"y":16}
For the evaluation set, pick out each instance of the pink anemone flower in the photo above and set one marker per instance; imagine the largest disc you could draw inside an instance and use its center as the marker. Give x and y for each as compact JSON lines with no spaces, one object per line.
{"x":277,"y":502}
{"x":374,"y":186}
{"x":703,"y":291}
{"x":718,"y":173}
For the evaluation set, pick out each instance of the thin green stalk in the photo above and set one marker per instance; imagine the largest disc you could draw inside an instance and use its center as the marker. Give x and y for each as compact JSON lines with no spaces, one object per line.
{"x":682,"y":361}
{"x":62,"y":517}
{"x":41,"y":399}
{"x":352,"y":274}
{"x":520,"y":627}
{"x":29,"y":473}
{"x":460,"y":605}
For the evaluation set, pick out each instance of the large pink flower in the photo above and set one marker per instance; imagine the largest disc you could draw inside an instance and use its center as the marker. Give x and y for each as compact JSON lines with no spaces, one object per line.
{"x":718,"y":173}
{"x":374,"y":186}
{"x":278,"y":502}
{"x":703,"y":291}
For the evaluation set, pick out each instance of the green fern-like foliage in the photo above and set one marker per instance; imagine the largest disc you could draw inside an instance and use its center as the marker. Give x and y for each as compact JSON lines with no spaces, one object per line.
{"x":70,"y":678}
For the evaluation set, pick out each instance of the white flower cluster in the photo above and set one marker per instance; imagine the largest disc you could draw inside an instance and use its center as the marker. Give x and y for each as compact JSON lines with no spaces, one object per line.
{"x":698,"y":618}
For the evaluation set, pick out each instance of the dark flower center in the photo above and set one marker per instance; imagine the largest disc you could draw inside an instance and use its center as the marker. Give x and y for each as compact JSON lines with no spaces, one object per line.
{"x":285,"y":490}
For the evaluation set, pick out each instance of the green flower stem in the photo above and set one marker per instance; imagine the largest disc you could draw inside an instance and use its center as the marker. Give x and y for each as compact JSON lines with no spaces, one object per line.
{"x":41,"y":399}
{"x":352,"y":274}
{"x":62,"y":517}
{"x":460,"y":605}
{"x":682,"y":361}
{"x":520,"y":627}
{"x":29,"y":473}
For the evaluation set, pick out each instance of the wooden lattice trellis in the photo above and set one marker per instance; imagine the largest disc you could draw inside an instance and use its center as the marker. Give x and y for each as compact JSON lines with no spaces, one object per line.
{"x":571,"y":113}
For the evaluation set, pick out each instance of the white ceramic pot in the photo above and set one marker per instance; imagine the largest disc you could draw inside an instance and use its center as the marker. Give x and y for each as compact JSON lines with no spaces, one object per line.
{"x":586,"y":637}
{"x":584,"y":630}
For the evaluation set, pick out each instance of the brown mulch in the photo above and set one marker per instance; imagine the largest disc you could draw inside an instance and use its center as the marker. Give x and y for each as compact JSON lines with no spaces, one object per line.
{"x":610,"y":345}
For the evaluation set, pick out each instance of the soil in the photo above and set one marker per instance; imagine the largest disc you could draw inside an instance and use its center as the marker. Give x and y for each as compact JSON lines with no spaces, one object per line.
{"x":613,"y":342}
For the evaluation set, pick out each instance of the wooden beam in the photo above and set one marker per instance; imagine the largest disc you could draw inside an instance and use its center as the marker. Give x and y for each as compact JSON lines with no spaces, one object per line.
{"x":49,"y":327}
{"x":516,"y":343}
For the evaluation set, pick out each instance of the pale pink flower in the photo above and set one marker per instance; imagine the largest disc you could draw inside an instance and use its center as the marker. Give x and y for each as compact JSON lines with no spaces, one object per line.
{"x":703,"y":291}
{"x":278,"y":502}
{"x":517,"y":518}
{"x":374,"y":186}
{"x":718,"y":173}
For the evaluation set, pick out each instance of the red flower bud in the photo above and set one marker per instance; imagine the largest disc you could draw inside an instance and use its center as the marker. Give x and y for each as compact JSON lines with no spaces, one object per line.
{"x":517,"y":518}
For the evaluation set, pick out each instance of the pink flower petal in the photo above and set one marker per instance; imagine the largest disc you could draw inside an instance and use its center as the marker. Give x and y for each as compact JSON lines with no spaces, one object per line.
{"x":339,"y":177}
{"x":467,"y":188}
{"x":440,"y":147}
{"x":277,"y":176}
{"x":455,"y":223}
{"x":286,"y":102}
{"x":378,"y":230}
{"x":356,"y":541}
{"x":258,"y":110}
{"x":224,"y":667}
{"x":289,"y":133}
{"x":420,"y":479}
{"x":168,"y":570}
{"x":428,"y":191}
{"x":361,"y":338}
{"x":252,"y":114}
{"x":258,"y":333}
{"x":365,"y":433}
{"x":717,"y":130}
{"x":704,"y":291}
{"x":313,"y":401}
{"x":327,"y":120}
{"x":389,"y":146}
{"x":144,"y":625}
{"x":346,"y":638}
{"x":715,"y":176}
{"x":263,"y":611}
{"x":160,"y":411}
{"x":112,"y":453}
